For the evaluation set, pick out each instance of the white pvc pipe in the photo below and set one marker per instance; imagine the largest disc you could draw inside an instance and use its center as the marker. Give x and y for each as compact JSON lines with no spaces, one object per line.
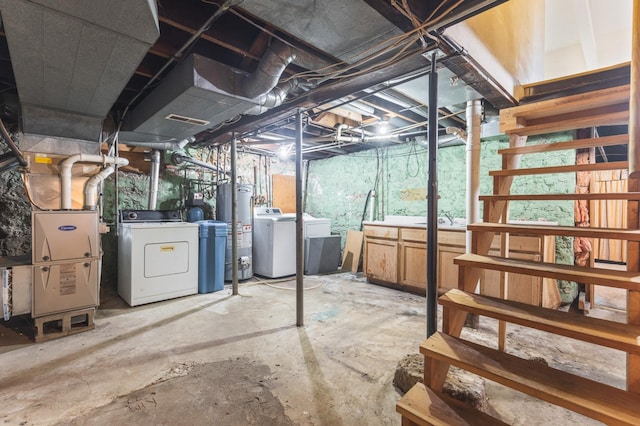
{"x":65,"y":172}
{"x":154,"y":178}
{"x":474,"y":115}
{"x":90,"y":188}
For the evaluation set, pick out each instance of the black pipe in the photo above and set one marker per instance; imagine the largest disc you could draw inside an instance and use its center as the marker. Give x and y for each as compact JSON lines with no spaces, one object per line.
{"x":299,"y":226}
{"x":364,"y":211}
{"x":432,"y":203}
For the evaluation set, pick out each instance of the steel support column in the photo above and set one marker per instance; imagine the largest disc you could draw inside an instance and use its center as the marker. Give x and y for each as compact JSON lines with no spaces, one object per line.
{"x":299,"y":226}
{"x":234,"y":217}
{"x":432,"y":203}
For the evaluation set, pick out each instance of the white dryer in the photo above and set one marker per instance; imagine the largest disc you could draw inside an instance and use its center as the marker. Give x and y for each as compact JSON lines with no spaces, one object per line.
{"x":274,"y":243}
{"x":157,"y":256}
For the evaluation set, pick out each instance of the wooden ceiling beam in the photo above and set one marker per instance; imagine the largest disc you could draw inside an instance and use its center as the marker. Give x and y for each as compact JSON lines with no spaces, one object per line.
{"x":208,"y":37}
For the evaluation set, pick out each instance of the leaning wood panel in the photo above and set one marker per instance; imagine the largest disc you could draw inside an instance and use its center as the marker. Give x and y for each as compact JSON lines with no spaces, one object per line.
{"x":283,"y":189}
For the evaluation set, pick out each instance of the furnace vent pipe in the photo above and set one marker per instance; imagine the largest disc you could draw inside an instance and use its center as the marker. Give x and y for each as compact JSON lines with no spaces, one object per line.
{"x":270,"y":68}
{"x":154,"y":178}
{"x":90,"y":196}
{"x":65,"y":172}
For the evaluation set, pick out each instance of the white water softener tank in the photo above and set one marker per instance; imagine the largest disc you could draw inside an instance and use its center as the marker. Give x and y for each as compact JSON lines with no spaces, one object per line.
{"x":244,"y":231}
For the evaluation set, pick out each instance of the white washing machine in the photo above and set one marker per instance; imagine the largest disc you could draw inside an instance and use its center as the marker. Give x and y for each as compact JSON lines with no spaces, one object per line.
{"x":274,"y":243}
{"x":157,"y":256}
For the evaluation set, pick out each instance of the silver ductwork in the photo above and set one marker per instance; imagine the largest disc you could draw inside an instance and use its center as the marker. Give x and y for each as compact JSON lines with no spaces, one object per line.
{"x":200,"y":93}
{"x":271,"y":66}
{"x":72,"y":59}
{"x":178,"y":159}
{"x":274,"y":98}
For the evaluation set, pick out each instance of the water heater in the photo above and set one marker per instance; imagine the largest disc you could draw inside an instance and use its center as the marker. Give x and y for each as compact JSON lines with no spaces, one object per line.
{"x":244,"y":229}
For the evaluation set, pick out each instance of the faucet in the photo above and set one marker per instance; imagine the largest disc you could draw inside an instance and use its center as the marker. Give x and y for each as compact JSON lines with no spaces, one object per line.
{"x":448,"y":216}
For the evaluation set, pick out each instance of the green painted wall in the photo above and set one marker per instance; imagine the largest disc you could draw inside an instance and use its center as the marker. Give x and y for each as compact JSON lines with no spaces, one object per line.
{"x":338,"y":187}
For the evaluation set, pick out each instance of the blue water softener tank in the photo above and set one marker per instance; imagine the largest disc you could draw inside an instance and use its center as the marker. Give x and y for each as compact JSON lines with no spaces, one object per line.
{"x":195,"y":214}
{"x":213,"y":241}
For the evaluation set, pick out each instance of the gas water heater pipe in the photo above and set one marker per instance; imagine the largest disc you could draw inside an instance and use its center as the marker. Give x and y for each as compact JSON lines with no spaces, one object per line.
{"x":65,"y":172}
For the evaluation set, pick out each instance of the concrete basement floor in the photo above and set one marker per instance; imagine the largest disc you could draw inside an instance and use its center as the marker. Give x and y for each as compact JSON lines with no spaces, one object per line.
{"x":224,"y":360}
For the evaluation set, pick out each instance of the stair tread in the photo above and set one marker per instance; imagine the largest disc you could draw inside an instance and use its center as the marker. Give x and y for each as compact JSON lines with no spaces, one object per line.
{"x":607,"y":116}
{"x":573,"y":144}
{"x":572,"y":196}
{"x":618,"y":279}
{"x":424,"y":406}
{"x":614,"y":165}
{"x":512,"y":119}
{"x":594,"y":330}
{"x":596,"y":400}
{"x":568,"y":231}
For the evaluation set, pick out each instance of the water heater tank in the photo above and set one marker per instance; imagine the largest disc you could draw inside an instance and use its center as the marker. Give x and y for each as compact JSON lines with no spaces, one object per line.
{"x":244,"y":230}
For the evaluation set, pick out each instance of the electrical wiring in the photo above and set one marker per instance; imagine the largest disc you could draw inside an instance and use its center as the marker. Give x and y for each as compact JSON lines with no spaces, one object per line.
{"x":380,"y":49}
{"x":413,"y":153}
{"x":270,"y":283}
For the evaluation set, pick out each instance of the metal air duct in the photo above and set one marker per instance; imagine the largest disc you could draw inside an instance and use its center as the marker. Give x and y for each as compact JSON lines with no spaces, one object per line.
{"x":71,"y":59}
{"x":200,"y":93}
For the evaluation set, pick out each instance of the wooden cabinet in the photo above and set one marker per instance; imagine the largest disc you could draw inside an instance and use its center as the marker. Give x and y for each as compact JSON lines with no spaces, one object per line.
{"x":381,"y":254}
{"x":396,"y":256}
{"x":524,"y":288}
{"x":451,"y":243}
{"x":412,"y":268}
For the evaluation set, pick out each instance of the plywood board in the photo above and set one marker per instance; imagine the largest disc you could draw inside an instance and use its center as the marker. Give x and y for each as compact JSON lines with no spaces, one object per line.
{"x":284,"y":192}
{"x":352,"y":251}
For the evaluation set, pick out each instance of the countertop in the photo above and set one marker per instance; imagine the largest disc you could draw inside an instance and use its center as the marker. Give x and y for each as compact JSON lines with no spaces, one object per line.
{"x":404,"y":224}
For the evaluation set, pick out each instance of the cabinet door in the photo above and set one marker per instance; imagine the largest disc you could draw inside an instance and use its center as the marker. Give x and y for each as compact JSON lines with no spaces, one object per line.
{"x":413,"y":264}
{"x":520,"y":288}
{"x":447,"y":270}
{"x":382,"y":260}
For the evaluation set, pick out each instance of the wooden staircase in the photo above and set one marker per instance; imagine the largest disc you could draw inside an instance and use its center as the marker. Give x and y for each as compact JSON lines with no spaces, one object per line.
{"x":593,"y":399}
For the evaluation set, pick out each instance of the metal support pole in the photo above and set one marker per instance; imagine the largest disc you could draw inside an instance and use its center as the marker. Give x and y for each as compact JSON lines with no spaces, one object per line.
{"x":234,"y":218}
{"x":299,"y":226}
{"x":432,"y":203}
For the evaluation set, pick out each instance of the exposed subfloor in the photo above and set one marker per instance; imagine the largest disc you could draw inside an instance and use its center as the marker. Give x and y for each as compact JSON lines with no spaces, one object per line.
{"x":238,"y":360}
